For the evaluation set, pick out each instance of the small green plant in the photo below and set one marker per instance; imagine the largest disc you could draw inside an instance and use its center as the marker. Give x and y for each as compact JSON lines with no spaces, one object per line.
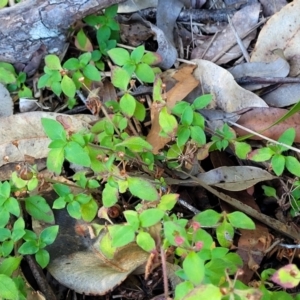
{"x":15,"y":238}
{"x":192,"y":123}
{"x":14,"y":82}
{"x":107,"y":28}
{"x":292,"y":194}
{"x":122,"y":164}
{"x":67,"y":79}
{"x":274,"y":154}
{"x":137,"y":63}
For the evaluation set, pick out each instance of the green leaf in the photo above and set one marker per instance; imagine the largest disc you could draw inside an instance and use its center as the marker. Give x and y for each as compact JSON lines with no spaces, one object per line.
{"x":74,"y":153}
{"x":54,"y":130}
{"x":136,"y":144}
{"x":55,"y":160}
{"x":168,"y":201}
{"x":198,"y":135}
{"x":49,"y":234}
{"x":145,"y":241}
{"x":119,"y":56}
{"x":12,"y":205}
{"x":269,"y":191}
{"x":187,"y":116}
{"x":225,"y":234}
{"x":287,"y":276}
{"x":38,"y":208}
{"x":121,"y":235}
{"x":151,"y":58}
{"x":4,"y":234}
{"x":140,"y":112}
{"x":293,"y":165}
{"x":85,"y":58}
{"x":43,"y":80}
{"x":179,"y":108}
{"x":183,"y":289}
{"x":6,"y":76}
{"x":4,"y":216}
{"x":68,"y":86}
{"x":120,"y":78}
{"x":151,"y":216}
{"x":262,"y":154}
{"x":29,"y":247}
{"x":287,"y":138}
{"x":8,"y":66}
{"x":91,"y":72}
{"x":52,"y":62}
{"x":106,"y":247}
{"x":202,"y":101}
{"x":56,"y":88}
{"x":25,"y":92}
{"x":239,"y":220}
{"x":9,"y":265}
{"x":83,"y":42}
{"x":7,"y":248}
{"x":8,"y":289}
{"x":128,"y":105}
{"x":241,"y":149}
{"x":208,"y":217}
{"x":72,"y":63}
{"x":74,"y":210}
{"x":89,"y":210}
{"x":18,"y":230}
{"x":183,"y":134}
{"x":4,"y":191}
{"x":29,"y":235}
{"x":61,"y":189}
{"x":145,"y":73}
{"x":137,"y":54}
{"x":109,"y":195}
{"x":132,"y":219}
{"x":167,"y":122}
{"x":174,"y":229}
{"x":42,"y":257}
{"x":278,"y":162}
{"x":207,"y":291}
{"x":193,"y":267}
{"x":142,"y":189}
{"x":111,"y":11}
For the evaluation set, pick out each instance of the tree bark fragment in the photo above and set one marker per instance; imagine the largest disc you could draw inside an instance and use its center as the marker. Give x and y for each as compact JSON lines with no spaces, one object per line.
{"x":29,"y":25}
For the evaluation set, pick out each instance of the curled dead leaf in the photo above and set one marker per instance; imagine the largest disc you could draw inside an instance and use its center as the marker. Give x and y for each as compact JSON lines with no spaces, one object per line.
{"x":228,"y":95}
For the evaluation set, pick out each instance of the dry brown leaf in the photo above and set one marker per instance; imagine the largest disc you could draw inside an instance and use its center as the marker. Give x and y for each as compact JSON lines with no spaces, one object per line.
{"x":235,"y":178}
{"x":227,"y":94}
{"x":6,"y":103}
{"x":135,"y":5}
{"x":287,"y":94}
{"x":243,"y":20}
{"x":280,"y":32}
{"x":244,"y":242}
{"x":271,"y":7}
{"x":258,"y":119}
{"x":81,"y":266}
{"x":185,"y":83}
{"x":23,"y":134}
{"x":277,"y":68}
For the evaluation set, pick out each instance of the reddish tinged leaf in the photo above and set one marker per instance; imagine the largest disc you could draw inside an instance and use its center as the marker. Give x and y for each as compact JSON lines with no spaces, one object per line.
{"x":257,"y":119}
{"x":287,"y":276}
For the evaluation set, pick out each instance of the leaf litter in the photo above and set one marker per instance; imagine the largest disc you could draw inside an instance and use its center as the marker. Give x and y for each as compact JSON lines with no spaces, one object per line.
{"x":206,"y":74}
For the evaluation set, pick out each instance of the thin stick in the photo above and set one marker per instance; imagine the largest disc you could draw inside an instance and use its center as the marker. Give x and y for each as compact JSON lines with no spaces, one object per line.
{"x":218,"y":56}
{"x":239,"y":41}
{"x":164,"y":270}
{"x":264,"y":137}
